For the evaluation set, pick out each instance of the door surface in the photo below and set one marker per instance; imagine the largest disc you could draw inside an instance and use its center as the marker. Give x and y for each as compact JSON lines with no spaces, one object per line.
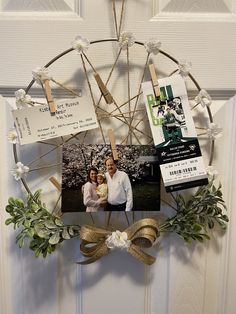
{"x":196,"y":279}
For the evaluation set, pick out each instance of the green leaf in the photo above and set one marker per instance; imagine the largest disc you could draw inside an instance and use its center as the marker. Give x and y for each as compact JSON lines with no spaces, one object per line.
{"x":58,"y":222}
{"x":186,"y":239}
{"x":43,"y":233}
{"x":65,"y":234}
{"x":71,"y":231}
{"x":37,"y":216}
{"x":38,"y":227}
{"x":19,"y":236}
{"x":26,"y":223}
{"x":199,"y":238}
{"x":20,"y":222}
{"x":35,"y":207}
{"x":37,"y":252}
{"x":50,"y":224}
{"x":37,"y":194}
{"x":206,"y":236}
{"x":9,"y":209}
{"x":211,"y":224}
{"x":55,"y":238}
{"x":50,"y":249}
{"x":225,"y":218}
{"x":45,"y":253}
{"x":21,"y":242}
{"x":202,"y":219}
{"x":197,"y":227}
{"x":19,"y":202}
{"x":30,"y":232}
{"x":11,"y":201}
{"x":222,"y":224}
{"x":8,"y":221}
{"x":33,"y":244}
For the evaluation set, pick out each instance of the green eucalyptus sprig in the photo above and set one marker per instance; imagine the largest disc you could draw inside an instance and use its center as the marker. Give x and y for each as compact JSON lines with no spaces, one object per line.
{"x":39,"y":228}
{"x":196,"y":216}
{"x":43,"y":231}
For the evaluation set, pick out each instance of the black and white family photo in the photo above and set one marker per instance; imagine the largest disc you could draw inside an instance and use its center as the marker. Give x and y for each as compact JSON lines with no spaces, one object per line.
{"x":93,"y":181}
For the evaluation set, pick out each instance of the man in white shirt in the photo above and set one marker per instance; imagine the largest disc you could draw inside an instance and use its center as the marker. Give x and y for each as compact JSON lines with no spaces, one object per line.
{"x":120,"y":196}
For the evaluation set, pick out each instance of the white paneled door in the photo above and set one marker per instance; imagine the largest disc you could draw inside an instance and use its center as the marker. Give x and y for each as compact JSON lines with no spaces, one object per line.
{"x":197,"y":279}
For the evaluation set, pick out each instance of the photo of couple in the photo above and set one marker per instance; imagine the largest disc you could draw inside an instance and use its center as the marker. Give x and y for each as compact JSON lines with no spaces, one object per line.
{"x":92,"y":181}
{"x":111,"y":191}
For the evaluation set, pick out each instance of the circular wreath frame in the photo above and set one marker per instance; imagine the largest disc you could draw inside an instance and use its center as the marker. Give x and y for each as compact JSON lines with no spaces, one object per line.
{"x":43,"y":231}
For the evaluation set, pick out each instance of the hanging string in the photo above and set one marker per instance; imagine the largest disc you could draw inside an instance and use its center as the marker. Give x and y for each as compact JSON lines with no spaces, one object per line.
{"x":45,"y":167}
{"x":167,"y":203}
{"x":110,"y":74}
{"x":85,"y":134}
{"x":129,"y":103}
{"x":58,"y":212}
{"x":115,"y":17}
{"x":131,"y":129}
{"x":91,"y":216}
{"x":126,"y":102}
{"x":118,"y":114}
{"x":147,"y":136}
{"x":140,"y":85}
{"x":127,"y":219}
{"x":137,"y":98}
{"x":126,"y":121}
{"x":109,"y":219}
{"x":46,"y":143}
{"x":121,"y":17}
{"x":113,"y":67}
{"x":89,"y":62}
{"x":51,"y":150}
{"x":119,"y":119}
{"x":71,"y":91}
{"x":91,"y":92}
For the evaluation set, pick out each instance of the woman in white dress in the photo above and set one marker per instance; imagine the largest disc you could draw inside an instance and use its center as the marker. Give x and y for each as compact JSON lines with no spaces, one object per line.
{"x":91,"y":200}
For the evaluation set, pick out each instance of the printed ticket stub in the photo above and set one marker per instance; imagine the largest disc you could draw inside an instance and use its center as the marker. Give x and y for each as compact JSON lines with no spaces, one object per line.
{"x":174,"y":134}
{"x":37,"y":124}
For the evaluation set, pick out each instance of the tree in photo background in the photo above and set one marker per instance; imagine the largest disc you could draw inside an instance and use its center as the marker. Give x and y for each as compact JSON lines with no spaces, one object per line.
{"x":78,"y":158}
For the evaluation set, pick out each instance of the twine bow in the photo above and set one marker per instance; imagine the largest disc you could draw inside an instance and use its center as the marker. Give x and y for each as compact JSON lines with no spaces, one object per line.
{"x":141,"y":234}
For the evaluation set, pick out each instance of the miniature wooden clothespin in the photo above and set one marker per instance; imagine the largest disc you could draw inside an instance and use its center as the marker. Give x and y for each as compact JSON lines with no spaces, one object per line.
{"x":155,"y":83}
{"x":48,"y":93}
{"x":106,"y":94}
{"x":113,"y":144}
{"x":55,"y":182}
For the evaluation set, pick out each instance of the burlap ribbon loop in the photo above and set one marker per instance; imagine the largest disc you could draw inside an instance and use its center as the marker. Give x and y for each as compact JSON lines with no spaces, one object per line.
{"x":142,"y":234}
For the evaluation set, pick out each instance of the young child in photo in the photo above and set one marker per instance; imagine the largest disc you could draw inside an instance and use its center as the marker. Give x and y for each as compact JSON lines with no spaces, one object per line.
{"x":101,"y":189}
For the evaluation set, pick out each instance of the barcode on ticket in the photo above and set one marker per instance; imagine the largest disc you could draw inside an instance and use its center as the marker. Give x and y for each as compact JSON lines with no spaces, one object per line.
{"x":180,"y":171}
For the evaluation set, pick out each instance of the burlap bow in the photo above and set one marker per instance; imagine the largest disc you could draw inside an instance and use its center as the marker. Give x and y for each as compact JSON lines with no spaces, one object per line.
{"x":142,"y":234}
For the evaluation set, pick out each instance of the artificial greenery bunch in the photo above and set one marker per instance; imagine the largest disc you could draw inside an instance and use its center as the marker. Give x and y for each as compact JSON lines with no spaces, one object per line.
{"x":194,"y":217}
{"x":42,"y":229}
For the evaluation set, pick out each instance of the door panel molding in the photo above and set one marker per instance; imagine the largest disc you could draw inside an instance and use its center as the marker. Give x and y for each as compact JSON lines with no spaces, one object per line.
{"x":217,"y":94}
{"x":41,"y":9}
{"x":175,"y":10}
